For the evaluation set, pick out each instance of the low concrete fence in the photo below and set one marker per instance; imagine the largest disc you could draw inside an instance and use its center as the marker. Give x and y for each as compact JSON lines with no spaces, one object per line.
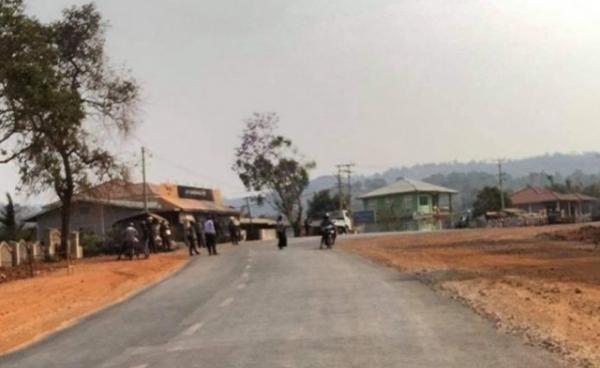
{"x":13,"y":254}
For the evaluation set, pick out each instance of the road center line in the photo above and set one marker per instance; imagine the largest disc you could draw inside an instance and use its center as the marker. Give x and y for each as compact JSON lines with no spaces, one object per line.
{"x":140,"y":366}
{"x":226,"y":302}
{"x":245,"y":275}
{"x":193,"y":328}
{"x":248,"y":267}
{"x":241,"y":286}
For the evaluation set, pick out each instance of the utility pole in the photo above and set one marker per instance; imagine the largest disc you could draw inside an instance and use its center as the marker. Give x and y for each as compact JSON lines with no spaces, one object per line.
{"x":500,"y":179}
{"x":345,"y":169}
{"x":340,"y":189}
{"x":145,"y":191}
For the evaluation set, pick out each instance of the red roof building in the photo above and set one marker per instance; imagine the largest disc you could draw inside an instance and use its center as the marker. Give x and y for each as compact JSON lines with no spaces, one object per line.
{"x":98,"y":208}
{"x":544,"y":201}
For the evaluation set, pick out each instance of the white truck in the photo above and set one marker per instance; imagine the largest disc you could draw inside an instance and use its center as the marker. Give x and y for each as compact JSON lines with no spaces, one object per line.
{"x":341,"y":220}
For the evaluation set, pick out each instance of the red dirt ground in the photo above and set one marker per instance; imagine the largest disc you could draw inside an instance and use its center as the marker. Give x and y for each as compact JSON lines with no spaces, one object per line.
{"x":524,"y":279}
{"x":29,"y":308}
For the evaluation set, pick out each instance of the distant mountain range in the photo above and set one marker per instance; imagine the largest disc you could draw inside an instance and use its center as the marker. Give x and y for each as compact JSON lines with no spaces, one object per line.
{"x":467,"y":177}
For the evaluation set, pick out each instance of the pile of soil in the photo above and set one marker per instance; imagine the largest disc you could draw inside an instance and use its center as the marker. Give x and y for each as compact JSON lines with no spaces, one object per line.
{"x":586,"y":234}
{"x":528,"y":284}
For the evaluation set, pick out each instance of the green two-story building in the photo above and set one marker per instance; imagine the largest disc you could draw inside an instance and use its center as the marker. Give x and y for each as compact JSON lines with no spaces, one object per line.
{"x":409,"y":205}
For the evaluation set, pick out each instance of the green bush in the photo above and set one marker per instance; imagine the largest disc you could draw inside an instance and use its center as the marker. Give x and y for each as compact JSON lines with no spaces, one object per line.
{"x":91,"y":244}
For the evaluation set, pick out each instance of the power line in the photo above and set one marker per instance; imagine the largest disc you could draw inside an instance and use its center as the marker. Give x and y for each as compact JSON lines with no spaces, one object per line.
{"x":182,"y":168}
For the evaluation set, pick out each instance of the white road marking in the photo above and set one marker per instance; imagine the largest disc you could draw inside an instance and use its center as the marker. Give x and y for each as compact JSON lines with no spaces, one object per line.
{"x":248,"y":267}
{"x":175,"y":348}
{"x":141,"y":350}
{"x":241,"y":286}
{"x":140,"y":366}
{"x":226,"y":302}
{"x":193,"y":328}
{"x":245,"y":275}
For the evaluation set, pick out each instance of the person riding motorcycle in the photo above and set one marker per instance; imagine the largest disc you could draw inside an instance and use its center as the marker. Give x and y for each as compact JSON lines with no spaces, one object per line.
{"x":326,"y":223}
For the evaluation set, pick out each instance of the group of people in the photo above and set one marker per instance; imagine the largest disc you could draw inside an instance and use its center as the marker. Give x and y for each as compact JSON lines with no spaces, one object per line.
{"x":155,"y":236}
{"x":205,"y":233}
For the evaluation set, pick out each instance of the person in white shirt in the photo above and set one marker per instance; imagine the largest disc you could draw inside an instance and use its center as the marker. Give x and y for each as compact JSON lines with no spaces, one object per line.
{"x":210,"y":233}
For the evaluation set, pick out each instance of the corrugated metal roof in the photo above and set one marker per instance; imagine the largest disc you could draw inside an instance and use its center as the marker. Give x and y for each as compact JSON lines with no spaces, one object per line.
{"x":194,"y":205}
{"x":533,"y":194}
{"x":408,"y":186}
{"x":152,"y":205}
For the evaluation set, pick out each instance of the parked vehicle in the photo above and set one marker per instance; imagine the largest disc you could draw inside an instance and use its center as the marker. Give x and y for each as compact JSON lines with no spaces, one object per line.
{"x":342,"y":221}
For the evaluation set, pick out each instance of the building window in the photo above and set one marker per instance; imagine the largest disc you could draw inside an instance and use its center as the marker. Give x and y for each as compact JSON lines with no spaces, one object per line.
{"x":423,"y":201}
{"x":407,"y":202}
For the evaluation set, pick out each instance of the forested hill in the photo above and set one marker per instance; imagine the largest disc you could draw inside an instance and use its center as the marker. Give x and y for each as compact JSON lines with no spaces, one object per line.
{"x":469,"y":177}
{"x":561,"y":163}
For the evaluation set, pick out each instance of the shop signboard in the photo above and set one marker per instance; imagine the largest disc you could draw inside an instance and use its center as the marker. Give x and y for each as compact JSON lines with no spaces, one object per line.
{"x":200,"y":194}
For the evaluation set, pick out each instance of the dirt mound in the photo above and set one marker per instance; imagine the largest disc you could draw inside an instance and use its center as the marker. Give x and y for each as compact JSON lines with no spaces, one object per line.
{"x":585,"y":234}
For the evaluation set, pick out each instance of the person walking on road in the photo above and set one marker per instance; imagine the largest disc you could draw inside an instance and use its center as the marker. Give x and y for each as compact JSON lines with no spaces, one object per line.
{"x":281,"y":235}
{"x":210,"y":233}
{"x":192,"y":242}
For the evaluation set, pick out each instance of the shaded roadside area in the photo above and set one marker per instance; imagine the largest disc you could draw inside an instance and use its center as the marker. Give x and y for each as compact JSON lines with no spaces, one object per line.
{"x":542,"y":283}
{"x":30,"y":308}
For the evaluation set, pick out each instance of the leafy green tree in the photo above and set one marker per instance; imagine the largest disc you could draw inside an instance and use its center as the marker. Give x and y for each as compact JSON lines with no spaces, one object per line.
{"x":57,"y":94}
{"x":488,"y":199}
{"x":321,"y":203}
{"x":267,"y":161}
{"x":11,"y":228}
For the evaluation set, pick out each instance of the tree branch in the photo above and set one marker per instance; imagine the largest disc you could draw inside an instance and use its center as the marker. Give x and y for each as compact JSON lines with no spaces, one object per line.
{"x":15,"y":155}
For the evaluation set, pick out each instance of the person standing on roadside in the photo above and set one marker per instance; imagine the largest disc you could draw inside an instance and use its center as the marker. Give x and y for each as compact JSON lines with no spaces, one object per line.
{"x":233,"y":232}
{"x":165,"y":234}
{"x":199,"y":227}
{"x":130,"y":241}
{"x":151,"y":236}
{"x":190,"y":235}
{"x":281,"y":234}
{"x":306,"y":227}
{"x":210,"y":233}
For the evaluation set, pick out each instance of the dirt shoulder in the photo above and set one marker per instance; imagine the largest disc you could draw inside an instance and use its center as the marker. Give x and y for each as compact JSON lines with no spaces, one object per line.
{"x":545,"y":288}
{"x":31,"y":308}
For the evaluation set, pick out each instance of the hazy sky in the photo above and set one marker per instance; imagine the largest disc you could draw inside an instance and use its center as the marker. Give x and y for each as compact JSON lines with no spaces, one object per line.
{"x":378,"y":83}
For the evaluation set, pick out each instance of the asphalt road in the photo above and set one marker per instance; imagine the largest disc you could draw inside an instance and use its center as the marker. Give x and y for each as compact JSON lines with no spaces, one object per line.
{"x":256,"y":306}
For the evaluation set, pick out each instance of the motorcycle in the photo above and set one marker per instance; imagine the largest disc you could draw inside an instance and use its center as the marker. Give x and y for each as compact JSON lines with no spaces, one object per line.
{"x":134,"y":248}
{"x":329,"y":235}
